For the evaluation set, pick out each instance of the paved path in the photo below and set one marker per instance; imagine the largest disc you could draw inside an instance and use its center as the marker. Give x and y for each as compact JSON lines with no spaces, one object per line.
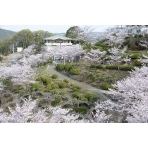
{"x":98,"y":92}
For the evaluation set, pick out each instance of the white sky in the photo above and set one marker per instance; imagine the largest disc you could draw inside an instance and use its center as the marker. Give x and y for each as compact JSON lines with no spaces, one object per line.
{"x":51,"y":28}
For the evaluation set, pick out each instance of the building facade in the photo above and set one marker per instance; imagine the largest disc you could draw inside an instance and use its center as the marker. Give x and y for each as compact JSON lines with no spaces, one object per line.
{"x":58,"y":41}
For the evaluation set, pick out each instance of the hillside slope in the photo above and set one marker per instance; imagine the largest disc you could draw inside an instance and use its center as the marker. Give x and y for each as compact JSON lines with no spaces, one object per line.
{"x":5,"y":34}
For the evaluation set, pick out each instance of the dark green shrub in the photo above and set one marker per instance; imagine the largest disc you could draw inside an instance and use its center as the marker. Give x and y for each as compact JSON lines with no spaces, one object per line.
{"x":126,"y":67}
{"x":50,"y":61}
{"x":66,"y":81}
{"x":60,"y":67}
{"x":55,"y":86}
{"x":87,"y":47}
{"x":57,"y":101}
{"x":77,"y":94}
{"x":62,"y":84}
{"x":81,"y":110}
{"x":37,"y":87}
{"x":100,"y":66}
{"x":135,"y":56}
{"x":54,"y":76}
{"x":74,"y":71}
{"x":67,"y":106}
{"x":68,"y":66}
{"x":112,"y":67}
{"x":42,"y":103}
{"x":8,"y":83}
{"x":18,"y":89}
{"x":75,"y":88}
{"x":102,"y":45}
{"x":83,"y":98}
{"x":44,"y":80}
{"x":97,"y":66}
{"x":54,"y":91}
{"x":90,"y":96}
{"x":48,"y":88}
{"x":105,"y":86}
{"x":137,"y":63}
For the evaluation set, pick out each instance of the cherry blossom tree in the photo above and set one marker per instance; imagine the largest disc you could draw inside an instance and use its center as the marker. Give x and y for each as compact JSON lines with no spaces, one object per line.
{"x":132,"y":92}
{"x":28,"y":112}
{"x":23,"y":113}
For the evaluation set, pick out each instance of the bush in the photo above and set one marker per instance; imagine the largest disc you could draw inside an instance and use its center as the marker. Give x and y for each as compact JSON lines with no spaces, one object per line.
{"x":60,"y":67}
{"x":42,"y":103}
{"x":126,"y":67}
{"x":62,"y":84}
{"x":101,"y":45}
{"x":54,"y":76}
{"x":97,"y":66}
{"x":112,"y":67}
{"x":137,"y":63}
{"x":105,"y":86}
{"x":18,"y":89}
{"x":79,"y":96}
{"x":62,"y":92}
{"x":37,"y":87}
{"x":50,"y":61}
{"x":57,"y":101}
{"x":76,"y":94}
{"x":48,"y":88}
{"x":54,"y":91}
{"x":68,"y":66}
{"x":135,"y":56}
{"x":88,"y":47}
{"x":8,"y":83}
{"x":67,"y":106}
{"x":90,"y":96}
{"x":74,"y":71}
{"x":66,"y":81}
{"x":44,"y":79}
{"x":81,"y":110}
{"x":75,"y":87}
{"x":55,"y":86}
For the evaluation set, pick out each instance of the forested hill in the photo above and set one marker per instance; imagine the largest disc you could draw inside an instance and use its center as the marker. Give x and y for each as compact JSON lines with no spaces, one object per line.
{"x":5,"y":34}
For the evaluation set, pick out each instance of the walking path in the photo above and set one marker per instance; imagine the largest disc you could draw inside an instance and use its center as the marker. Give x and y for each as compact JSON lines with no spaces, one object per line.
{"x":98,"y":92}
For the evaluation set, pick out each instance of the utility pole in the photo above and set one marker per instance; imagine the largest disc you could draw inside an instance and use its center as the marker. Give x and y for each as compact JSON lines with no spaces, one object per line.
{"x":64,"y":59}
{"x":13,"y":48}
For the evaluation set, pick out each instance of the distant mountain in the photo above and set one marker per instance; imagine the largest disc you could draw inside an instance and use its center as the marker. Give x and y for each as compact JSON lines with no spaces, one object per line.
{"x":5,"y":34}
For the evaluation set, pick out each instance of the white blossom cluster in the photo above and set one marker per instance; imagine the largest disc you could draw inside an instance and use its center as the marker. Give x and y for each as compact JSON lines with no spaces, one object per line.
{"x":133,"y":94}
{"x":118,"y":34}
{"x":95,"y":56}
{"x":28,"y":112}
{"x":57,"y":52}
{"x":113,"y":56}
{"x":17,"y":72}
{"x":23,"y":113}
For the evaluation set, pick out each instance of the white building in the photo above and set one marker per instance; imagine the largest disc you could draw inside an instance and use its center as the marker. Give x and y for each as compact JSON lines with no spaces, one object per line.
{"x":19,"y":49}
{"x":58,"y":41}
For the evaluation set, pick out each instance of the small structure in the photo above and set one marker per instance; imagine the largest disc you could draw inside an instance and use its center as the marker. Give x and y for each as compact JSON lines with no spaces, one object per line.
{"x":58,"y":41}
{"x":19,"y":49}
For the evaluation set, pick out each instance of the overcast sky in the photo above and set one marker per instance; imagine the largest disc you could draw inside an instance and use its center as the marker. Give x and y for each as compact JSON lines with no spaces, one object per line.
{"x":50,"y":28}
